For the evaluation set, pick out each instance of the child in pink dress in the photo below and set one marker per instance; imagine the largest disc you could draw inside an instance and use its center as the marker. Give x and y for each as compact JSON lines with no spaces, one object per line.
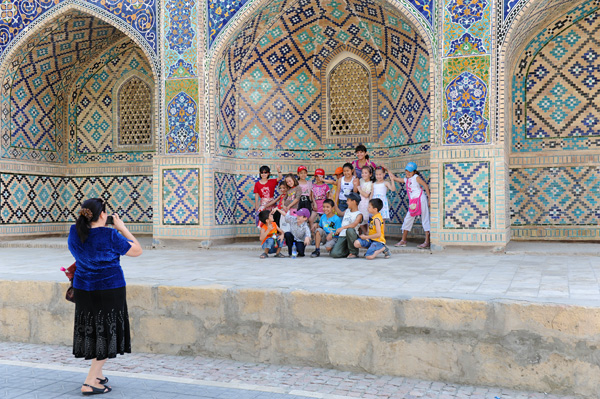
{"x":320,"y":191}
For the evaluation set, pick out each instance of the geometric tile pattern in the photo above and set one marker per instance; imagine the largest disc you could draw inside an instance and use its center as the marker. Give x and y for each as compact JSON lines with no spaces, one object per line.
{"x":93,"y":113}
{"x":234,"y":198}
{"x":182,"y":116}
{"x":35,"y":88}
{"x":180,"y":196}
{"x":140,"y":15}
{"x":220,"y":12}
{"x":467,"y":195}
{"x":555,"y":196}
{"x":27,"y":199}
{"x":467,"y":25}
{"x":181,"y":42}
{"x":466,"y":107}
{"x":269,"y":96}
{"x":563,"y":84}
{"x":555,"y":87}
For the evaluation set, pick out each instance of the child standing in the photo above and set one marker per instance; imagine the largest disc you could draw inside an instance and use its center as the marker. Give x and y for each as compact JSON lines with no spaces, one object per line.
{"x":299,"y":233}
{"x":375,"y":240}
{"x":293,"y":193}
{"x":344,"y":247}
{"x":418,"y":203}
{"x":346,"y":185}
{"x":365,"y":189}
{"x":362,"y":159}
{"x":339,"y":172}
{"x":268,"y":235}
{"x":326,"y":233}
{"x":320,"y":190}
{"x":264,"y":190}
{"x":305,"y":189}
{"x":380,"y":189}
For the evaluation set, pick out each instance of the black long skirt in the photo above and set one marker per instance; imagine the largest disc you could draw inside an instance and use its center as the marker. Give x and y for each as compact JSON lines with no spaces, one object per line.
{"x":101,"y":324}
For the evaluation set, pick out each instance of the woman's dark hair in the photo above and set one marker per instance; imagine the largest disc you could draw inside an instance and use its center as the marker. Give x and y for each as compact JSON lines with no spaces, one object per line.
{"x":348,"y":165}
{"x":265,"y":169}
{"x":362,"y":148}
{"x":90,"y":212}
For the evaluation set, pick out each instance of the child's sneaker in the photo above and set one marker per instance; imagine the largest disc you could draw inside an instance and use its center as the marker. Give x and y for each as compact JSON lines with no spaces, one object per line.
{"x":316,"y":253}
{"x":386,"y":253}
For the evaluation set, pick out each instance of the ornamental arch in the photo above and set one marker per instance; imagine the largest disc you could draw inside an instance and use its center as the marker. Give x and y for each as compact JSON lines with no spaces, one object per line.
{"x":551,"y":121}
{"x":269,"y":88}
{"x":58,"y":132}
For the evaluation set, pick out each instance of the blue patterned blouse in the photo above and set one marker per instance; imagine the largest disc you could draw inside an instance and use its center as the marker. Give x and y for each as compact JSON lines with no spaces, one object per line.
{"x":98,"y":265}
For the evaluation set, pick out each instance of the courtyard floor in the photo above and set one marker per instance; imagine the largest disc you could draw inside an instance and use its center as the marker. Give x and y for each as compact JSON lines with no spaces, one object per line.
{"x":556,"y":273}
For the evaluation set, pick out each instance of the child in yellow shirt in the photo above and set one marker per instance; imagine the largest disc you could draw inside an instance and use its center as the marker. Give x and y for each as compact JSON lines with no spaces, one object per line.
{"x":375,"y":240}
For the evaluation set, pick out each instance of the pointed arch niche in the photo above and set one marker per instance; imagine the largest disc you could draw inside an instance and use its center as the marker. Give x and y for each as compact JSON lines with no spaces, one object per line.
{"x":348,"y":98}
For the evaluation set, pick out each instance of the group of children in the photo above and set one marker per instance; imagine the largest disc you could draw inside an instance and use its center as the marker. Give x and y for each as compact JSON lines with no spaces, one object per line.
{"x":349,"y":216}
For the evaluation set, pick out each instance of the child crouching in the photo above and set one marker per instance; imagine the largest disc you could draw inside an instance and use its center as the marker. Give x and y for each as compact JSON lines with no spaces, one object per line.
{"x":375,"y":240}
{"x":299,"y":233}
{"x":268,"y":235}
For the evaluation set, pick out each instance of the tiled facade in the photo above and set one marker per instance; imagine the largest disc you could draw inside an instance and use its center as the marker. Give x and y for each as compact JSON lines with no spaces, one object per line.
{"x":499,"y":110}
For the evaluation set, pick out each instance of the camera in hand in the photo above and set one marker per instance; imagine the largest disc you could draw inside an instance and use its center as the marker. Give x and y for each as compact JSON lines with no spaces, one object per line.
{"x":109,"y":220}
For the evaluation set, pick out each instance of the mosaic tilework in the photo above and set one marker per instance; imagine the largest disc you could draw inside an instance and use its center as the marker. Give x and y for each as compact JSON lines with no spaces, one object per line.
{"x":181,"y":38}
{"x":221,"y":12}
{"x":27,"y":199}
{"x":92,"y":122}
{"x":555,"y":196}
{"x":467,"y":27}
{"x":140,"y":15}
{"x":466,"y":101}
{"x":234,"y":198}
{"x":467,"y":195}
{"x":554,"y":92}
{"x":270,"y":99}
{"x":95,"y":108}
{"x":182,"y":116}
{"x":180,"y":196}
{"x":34,"y":85}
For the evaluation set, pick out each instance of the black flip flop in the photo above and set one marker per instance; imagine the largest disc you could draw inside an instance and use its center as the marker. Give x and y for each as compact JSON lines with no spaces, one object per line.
{"x":96,"y":391}
{"x":104,"y":381}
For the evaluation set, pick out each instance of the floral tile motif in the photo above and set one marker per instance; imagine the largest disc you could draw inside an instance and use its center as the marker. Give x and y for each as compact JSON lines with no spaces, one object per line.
{"x":467,"y":195}
{"x":180,"y":196}
{"x":139,"y":15}
{"x":555,"y":196}
{"x":467,"y":27}
{"x":182,"y":116}
{"x":181,"y":41}
{"x":466,"y":100}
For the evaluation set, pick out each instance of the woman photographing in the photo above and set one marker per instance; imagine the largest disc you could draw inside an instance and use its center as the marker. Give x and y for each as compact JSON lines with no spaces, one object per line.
{"x":101,"y":319}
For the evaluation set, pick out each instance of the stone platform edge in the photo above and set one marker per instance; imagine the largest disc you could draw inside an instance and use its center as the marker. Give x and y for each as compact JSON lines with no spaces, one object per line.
{"x":519,"y":345}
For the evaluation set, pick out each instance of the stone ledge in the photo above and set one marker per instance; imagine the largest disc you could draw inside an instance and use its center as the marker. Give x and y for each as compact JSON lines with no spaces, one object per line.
{"x":532,"y":346}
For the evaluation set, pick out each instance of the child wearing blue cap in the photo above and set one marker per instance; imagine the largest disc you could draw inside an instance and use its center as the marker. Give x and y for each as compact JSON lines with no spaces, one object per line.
{"x":418,"y":203}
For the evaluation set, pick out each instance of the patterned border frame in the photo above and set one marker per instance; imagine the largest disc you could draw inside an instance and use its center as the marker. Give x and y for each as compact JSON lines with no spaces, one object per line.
{"x":210,"y":66}
{"x":77,"y":5}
